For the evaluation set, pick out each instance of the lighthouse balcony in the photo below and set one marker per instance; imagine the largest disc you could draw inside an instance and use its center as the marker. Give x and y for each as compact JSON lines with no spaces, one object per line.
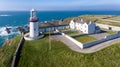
{"x":33,"y":20}
{"x":27,"y":37}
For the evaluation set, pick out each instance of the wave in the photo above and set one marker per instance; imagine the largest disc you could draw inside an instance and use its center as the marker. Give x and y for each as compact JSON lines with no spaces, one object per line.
{"x":4,"y":15}
{"x":3,"y":31}
{"x":4,"y":35}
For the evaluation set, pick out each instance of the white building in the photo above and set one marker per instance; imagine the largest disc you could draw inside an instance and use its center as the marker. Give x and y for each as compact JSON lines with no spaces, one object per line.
{"x":87,"y":27}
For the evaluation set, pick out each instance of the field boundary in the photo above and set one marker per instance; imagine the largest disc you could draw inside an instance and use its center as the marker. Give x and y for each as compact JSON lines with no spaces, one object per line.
{"x":17,"y":53}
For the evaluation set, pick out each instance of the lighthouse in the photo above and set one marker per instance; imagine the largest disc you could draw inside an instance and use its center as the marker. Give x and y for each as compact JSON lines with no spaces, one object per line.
{"x":34,"y":29}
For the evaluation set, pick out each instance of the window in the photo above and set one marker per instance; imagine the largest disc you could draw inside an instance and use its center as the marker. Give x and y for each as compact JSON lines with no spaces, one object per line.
{"x":34,"y":29}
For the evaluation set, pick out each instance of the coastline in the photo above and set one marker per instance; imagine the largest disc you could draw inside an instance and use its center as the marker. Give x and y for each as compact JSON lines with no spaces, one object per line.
{"x":89,"y":17}
{"x":7,"y":42}
{"x":15,"y":40}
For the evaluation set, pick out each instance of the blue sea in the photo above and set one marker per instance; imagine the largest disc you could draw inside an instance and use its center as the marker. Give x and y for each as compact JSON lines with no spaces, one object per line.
{"x":13,"y":19}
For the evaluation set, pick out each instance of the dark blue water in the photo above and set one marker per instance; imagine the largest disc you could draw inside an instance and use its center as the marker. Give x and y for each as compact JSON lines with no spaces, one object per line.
{"x":20,"y":18}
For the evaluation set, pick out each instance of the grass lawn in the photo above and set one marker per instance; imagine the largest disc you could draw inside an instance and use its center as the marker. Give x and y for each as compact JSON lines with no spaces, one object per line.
{"x":117,"y":18}
{"x":7,"y":52}
{"x":85,"y":39}
{"x":92,"y":17}
{"x":111,"y":32}
{"x":109,"y":23}
{"x":98,"y":17}
{"x":36,"y":54}
{"x":72,"y":33}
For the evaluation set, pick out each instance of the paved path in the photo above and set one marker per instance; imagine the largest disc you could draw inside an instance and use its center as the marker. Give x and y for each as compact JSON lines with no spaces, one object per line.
{"x":110,"y":20}
{"x":99,"y":35}
{"x":92,"y":49}
{"x":115,"y":28}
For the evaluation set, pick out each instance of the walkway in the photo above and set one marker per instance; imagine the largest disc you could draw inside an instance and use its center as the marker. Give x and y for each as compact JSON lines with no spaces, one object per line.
{"x":92,"y":49}
{"x":115,"y":28}
{"x":110,"y":20}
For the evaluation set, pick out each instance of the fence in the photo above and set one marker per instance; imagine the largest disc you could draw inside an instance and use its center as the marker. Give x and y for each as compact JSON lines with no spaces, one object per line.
{"x":109,"y":37}
{"x":73,"y":40}
{"x":16,"y":56}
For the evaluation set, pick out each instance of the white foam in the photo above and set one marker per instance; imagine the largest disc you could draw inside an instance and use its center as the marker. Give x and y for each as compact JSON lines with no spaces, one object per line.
{"x":4,"y":15}
{"x":3,"y":31}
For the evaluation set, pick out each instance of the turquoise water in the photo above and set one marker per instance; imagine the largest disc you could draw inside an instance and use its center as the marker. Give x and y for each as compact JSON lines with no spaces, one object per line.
{"x":12,"y":19}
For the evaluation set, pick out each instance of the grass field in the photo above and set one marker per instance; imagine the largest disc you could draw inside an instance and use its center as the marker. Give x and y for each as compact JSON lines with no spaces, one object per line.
{"x":97,"y":19}
{"x":36,"y":54}
{"x":109,"y":23}
{"x":7,"y":52}
{"x":72,"y":33}
{"x":85,"y":39}
{"x":117,"y":18}
{"x":109,"y":31}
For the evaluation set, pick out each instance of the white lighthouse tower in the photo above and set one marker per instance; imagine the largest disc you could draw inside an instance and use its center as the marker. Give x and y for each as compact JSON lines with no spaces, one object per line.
{"x":34,"y":30}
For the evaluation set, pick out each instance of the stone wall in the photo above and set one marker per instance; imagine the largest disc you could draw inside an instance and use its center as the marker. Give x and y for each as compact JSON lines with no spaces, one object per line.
{"x":86,"y":45}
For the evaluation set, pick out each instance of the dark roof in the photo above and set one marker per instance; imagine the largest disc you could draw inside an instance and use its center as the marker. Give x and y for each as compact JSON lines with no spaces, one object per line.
{"x":44,"y":24}
{"x":82,"y":21}
{"x":52,"y":23}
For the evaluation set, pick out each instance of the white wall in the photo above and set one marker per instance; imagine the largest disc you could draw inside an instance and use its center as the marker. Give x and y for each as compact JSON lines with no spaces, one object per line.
{"x":109,"y":37}
{"x":85,"y":28}
{"x":34,"y":30}
{"x":72,"y":25}
{"x":91,"y":28}
{"x":73,"y":40}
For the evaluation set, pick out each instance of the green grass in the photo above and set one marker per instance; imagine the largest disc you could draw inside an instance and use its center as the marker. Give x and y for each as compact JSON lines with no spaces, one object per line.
{"x":98,"y":17}
{"x":111,"y":32}
{"x":72,"y":33}
{"x":7,"y":52}
{"x":36,"y":54}
{"x":85,"y":39}
{"x":109,"y":23}
{"x":117,"y":18}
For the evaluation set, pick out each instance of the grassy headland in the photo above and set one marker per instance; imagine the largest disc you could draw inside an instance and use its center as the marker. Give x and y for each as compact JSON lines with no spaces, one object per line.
{"x":7,"y":51}
{"x":37,"y":54}
{"x":97,"y":19}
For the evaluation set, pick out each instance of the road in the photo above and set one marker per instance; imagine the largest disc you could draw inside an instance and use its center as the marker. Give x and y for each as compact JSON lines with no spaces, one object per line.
{"x":110,"y":20}
{"x":114,"y":28}
{"x":92,"y":49}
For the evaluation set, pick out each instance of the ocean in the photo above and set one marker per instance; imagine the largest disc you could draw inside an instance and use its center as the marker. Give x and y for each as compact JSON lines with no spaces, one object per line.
{"x":13,"y":19}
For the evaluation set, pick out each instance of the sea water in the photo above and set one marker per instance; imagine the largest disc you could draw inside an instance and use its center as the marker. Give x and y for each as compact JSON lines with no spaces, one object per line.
{"x":13,"y":19}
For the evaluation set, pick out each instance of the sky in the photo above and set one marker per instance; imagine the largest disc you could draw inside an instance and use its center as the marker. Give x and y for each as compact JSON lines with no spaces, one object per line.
{"x":60,"y":5}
